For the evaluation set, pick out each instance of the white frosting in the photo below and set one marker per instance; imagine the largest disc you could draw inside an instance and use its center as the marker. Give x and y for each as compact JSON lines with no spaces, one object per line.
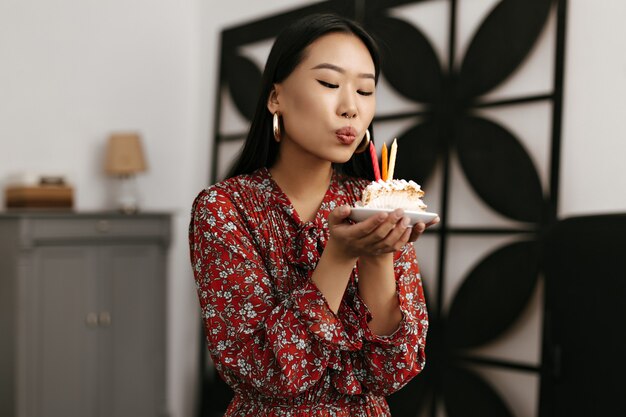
{"x":394,"y":185}
{"x":393,"y":194}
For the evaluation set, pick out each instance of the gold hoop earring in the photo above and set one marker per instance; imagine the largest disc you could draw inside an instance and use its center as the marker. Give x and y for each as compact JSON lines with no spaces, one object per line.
{"x":365,"y":143}
{"x":276,"y":127}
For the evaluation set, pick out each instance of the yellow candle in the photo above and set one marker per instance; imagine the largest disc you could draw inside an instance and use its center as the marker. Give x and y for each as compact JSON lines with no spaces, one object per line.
{"x":384,"y":158}
{"x":392,"y":159}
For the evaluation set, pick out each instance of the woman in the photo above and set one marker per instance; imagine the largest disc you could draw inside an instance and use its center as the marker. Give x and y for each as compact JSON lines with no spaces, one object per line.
{"x":306,"y":313}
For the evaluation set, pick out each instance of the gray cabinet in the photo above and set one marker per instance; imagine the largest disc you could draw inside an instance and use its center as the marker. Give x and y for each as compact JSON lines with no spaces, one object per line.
{"x":82,"y":314}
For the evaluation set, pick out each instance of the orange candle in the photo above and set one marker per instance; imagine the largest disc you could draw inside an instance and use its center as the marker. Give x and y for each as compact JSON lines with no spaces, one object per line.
{"x":384,"y":160}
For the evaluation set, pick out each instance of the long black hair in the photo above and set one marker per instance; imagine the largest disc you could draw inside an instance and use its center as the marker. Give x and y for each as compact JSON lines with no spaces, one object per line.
{"x":260,"y":148}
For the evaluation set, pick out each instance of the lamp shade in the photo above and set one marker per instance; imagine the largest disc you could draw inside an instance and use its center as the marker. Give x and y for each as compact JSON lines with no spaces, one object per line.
{"x":124,"y":154}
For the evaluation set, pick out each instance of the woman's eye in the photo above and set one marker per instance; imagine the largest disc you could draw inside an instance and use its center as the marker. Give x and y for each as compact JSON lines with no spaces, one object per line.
{"x":365,"y":93}
{"x":329,"y":85}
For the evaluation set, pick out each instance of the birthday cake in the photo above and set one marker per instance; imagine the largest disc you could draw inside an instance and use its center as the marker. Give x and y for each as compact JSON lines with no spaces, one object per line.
{"x":393,"y":194}
{"x":387,"y":193}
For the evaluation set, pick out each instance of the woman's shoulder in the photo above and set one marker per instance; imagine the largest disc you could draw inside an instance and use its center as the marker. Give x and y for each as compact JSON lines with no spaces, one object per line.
{"x":238,"y":191}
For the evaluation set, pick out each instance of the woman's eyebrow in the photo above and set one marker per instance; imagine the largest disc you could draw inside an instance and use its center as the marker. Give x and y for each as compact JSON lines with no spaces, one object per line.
{"x":341,"y":70}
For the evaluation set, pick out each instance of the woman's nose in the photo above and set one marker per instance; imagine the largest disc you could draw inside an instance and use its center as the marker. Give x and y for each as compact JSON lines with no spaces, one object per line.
{"x":347,"y":107}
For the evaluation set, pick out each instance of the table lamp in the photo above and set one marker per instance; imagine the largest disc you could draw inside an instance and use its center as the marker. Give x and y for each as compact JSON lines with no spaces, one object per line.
{"x":124,"y":159}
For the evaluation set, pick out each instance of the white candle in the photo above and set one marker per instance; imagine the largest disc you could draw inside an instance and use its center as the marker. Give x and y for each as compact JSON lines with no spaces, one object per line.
{"x":392,"y":159}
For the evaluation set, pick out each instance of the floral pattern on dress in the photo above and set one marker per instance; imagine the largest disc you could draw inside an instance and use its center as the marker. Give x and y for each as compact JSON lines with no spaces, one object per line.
{"x":270,"y":332}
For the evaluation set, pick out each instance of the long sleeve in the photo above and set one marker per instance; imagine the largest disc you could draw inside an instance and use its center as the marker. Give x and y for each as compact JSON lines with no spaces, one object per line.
{"x":280,"y":346}
{"x":386,"y":363}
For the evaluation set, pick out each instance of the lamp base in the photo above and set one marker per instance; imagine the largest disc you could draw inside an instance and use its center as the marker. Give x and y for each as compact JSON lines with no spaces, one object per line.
{"x":126,"y":196}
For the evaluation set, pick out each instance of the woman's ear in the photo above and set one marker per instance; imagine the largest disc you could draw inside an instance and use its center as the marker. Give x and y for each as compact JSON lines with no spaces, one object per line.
{"x":272,"y":99}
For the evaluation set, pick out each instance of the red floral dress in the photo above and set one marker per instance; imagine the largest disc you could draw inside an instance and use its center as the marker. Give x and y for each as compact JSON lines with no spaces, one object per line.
{"x":270,"y":331}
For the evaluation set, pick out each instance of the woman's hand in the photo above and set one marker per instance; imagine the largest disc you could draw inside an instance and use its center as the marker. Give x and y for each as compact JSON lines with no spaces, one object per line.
{"x":418,"y":228}
{"x":379,"y":234}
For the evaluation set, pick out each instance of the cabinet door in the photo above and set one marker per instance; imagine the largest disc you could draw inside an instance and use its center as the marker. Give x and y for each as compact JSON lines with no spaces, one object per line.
{"x":62,"y":331}
{"x":132,"y":330}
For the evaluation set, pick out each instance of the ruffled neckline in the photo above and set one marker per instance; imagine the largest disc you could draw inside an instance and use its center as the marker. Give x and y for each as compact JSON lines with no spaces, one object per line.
{"x":311,"y":236}
{"x":285,"y":202}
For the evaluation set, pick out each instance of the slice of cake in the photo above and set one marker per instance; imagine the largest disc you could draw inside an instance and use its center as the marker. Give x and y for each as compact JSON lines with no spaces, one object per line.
{"x":393,"y":194}
{"x":387,"y":193}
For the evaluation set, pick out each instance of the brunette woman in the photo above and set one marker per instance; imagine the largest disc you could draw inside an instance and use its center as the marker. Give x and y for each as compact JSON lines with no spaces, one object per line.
{"x":305,"y":312}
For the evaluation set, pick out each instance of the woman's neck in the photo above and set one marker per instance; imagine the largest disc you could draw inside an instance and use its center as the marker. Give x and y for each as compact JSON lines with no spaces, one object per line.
{"x":301,"y":182}
{"x":304,"y":181}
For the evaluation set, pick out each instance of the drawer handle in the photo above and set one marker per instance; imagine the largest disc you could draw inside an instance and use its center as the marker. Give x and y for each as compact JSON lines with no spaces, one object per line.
{"x":105,"y":319}
{"x":103,"y":226}
{"x":91,"y":320}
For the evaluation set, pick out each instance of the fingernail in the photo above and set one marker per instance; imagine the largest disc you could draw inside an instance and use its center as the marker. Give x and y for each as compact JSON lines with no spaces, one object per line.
{"x":405,"y":221}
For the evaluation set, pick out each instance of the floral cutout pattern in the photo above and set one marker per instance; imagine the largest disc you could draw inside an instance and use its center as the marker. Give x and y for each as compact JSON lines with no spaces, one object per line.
{"x":499,"y":169}
{"x":494,"y":160}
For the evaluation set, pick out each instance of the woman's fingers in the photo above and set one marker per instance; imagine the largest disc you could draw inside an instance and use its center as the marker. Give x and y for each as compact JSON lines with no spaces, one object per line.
{"x":381,"y":233}
{"x":338,"y":215}
{"x":433,"y":222}
{"x":390,"y":236}
{"x":419,"y":228}
{"x":365,"y":228}
{"x":376,"y":227}
{"x":396,"y":238}
{"x":416,"y":231}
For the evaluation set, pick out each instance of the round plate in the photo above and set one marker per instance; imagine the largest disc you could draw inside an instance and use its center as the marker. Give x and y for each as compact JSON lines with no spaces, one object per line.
{"x":359,"y":214}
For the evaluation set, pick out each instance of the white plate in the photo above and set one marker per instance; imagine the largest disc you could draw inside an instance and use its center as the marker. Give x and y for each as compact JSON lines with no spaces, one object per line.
{"x":358,"y":214}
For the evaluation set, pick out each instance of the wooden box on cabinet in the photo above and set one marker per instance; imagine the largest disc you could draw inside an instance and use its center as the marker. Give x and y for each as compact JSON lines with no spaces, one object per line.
{"x":82,"y":314}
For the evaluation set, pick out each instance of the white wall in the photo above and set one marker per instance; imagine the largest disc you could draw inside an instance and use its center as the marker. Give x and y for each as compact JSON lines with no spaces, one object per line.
{"x":593,"y":175}
{"x":71,"y":72}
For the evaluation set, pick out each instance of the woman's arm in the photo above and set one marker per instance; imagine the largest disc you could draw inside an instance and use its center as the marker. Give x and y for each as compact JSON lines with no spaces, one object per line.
{"x":373,"y":242}
{"x":377,"y":274}
{"x":387,"y":363}
{"x":391,"y":295}
{"x":377,"y":288}
{"x":363,"y":242}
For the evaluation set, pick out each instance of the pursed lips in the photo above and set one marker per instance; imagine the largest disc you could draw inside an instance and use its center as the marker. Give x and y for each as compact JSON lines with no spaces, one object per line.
{"x":346,"y":135}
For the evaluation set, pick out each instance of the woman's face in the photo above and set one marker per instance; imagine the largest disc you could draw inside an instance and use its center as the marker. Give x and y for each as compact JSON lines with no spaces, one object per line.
{"x":328,"y":101}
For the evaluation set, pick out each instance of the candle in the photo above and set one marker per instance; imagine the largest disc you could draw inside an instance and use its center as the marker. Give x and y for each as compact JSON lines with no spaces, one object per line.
{"x":384,"y":160}
{"x":374,"y":161}
{"x":392,"y":159}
